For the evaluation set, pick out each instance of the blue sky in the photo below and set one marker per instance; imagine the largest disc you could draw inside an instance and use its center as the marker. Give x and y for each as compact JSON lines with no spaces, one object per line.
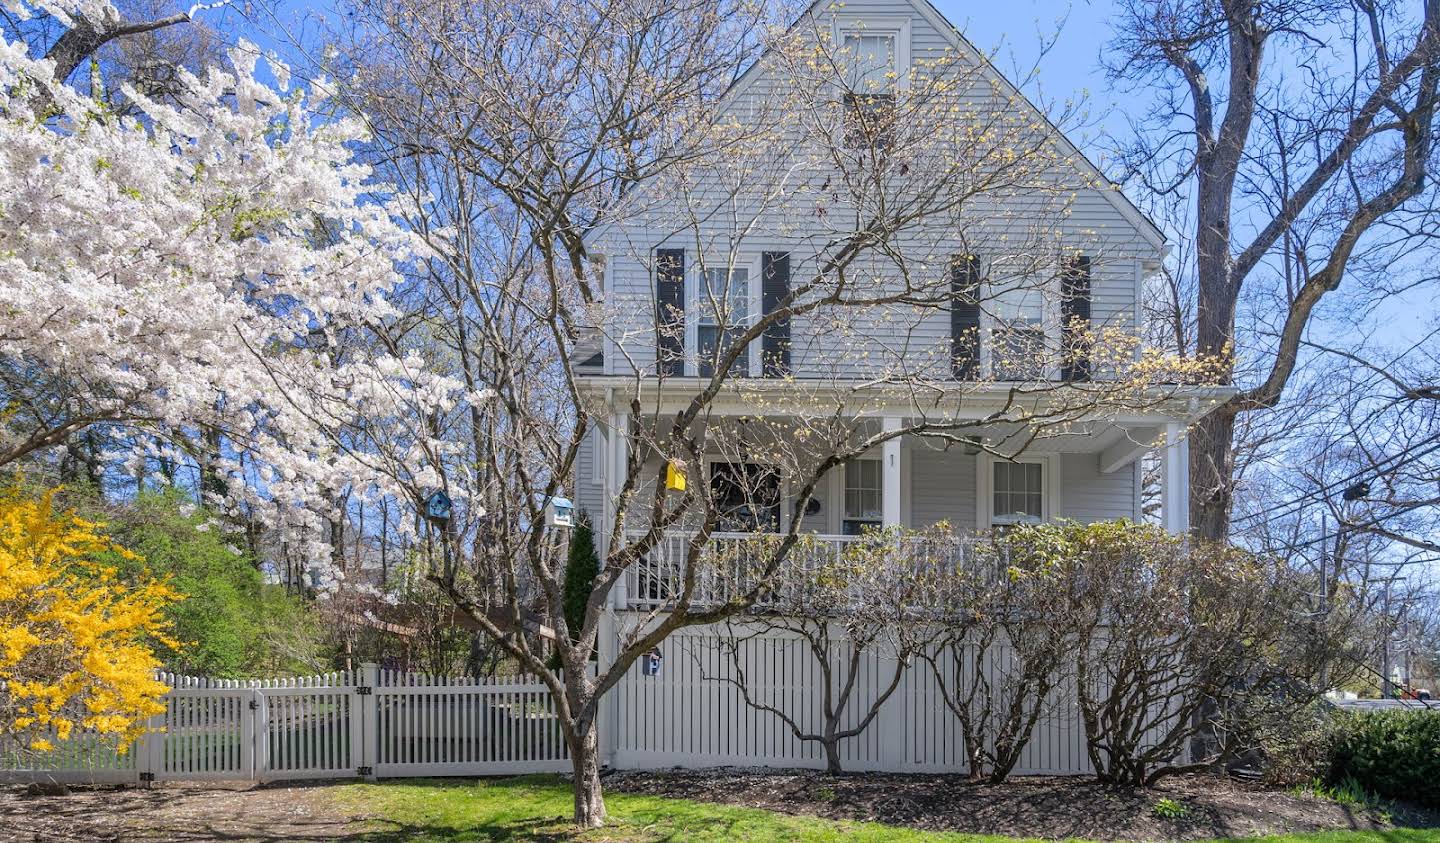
{"x":1075,"y":34}
{"x":1014,"y":31}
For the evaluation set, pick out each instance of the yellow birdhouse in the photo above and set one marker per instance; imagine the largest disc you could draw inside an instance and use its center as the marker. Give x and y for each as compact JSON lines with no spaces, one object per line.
{"x":675,"y":476}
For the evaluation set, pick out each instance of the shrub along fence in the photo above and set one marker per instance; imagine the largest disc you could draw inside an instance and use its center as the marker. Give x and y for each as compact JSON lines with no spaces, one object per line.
{"x":1393,"y":753}
{"x":685,"y":708}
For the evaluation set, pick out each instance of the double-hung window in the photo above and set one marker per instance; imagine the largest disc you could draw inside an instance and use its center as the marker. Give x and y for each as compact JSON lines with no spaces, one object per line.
{"x":1017,"y":492}
{"x":864,"y":496}
{"x":1021,"y":490}
{"x":873,"y":57}
{"x":1018,"y":350}
{"x":723,"y":308}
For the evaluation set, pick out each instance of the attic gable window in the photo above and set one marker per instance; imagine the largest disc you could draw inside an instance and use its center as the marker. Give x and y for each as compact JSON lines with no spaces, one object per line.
{"x":874,"y":60}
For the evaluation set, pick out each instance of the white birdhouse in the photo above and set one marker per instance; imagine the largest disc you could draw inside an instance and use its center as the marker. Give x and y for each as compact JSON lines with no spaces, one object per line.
{"x":560,"y":512}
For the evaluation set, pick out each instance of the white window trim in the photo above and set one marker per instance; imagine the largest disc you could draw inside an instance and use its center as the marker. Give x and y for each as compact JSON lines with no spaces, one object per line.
{"x":744,"y":260}
{"x":599,"y":456}
{"x":842,"y":25}
{"x":1050,"y":480}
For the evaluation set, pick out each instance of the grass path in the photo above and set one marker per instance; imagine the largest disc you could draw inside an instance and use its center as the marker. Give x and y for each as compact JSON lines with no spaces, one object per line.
{"x":538,"y":808}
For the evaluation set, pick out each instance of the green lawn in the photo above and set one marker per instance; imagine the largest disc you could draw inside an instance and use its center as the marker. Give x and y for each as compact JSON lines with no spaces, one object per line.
{"x":538,"y":808}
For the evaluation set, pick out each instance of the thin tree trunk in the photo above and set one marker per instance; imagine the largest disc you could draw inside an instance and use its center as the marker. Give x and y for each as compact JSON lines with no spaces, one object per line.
{"x":832,"y":756}
{"x":584,"y":745}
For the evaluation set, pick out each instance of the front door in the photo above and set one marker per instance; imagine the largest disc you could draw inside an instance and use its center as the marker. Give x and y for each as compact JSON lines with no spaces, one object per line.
{"x":747,"y":495}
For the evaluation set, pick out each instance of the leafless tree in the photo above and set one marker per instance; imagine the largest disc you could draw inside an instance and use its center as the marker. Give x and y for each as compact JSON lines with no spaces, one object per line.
{"x":858,"y":619}
{"x":1302,"y":133}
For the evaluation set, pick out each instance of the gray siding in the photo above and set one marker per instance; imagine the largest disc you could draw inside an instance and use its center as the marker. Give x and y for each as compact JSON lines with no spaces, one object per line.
{"x":588,"y":494}
{"x":942,"y":487}
{"x":769,"y":203}
{"x":1092,"y":496}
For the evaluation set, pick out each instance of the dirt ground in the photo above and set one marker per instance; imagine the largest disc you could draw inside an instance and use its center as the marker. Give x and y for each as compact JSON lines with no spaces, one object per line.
{"x":179,"y":811}
{"x":1024,"y":807}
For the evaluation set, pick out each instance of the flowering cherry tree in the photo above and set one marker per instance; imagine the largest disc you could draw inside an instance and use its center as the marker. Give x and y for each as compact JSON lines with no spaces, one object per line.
{"x":209,"y":282}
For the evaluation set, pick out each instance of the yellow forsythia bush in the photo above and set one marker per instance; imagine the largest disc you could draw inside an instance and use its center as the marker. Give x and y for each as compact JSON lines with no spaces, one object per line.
{"x":75,"y":641}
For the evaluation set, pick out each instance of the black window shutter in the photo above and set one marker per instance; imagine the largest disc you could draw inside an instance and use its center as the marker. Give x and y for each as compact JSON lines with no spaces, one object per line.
{"x":775,"y":286}
{"x":670,"y":311}
{"x":965,"y":316}
{"x":1075,"y":318}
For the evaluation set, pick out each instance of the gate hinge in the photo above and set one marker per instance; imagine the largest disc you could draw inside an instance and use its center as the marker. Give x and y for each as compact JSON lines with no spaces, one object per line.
{"x":365,"y":771}
{"x":147,"y":777}
{"x":364,"y":690}
{"x":254,"y":704}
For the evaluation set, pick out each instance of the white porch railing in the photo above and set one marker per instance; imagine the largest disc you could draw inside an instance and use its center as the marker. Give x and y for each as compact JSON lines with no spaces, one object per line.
{"x":731,"y":564}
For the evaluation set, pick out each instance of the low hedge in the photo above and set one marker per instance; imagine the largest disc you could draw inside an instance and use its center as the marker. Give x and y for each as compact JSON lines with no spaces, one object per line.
{"x":1393,"y":753}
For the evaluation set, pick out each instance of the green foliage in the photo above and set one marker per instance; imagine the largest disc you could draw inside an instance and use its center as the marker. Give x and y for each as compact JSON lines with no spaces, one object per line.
{"x":581,"y":568}
{"x":1348,"y":792}
{"x":1170,"y":809}
{"x":230,"y":623}
{"x":1393,"y":753}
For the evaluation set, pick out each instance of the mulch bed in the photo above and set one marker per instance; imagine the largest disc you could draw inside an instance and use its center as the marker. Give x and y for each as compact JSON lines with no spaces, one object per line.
{"x":1044,"y":807}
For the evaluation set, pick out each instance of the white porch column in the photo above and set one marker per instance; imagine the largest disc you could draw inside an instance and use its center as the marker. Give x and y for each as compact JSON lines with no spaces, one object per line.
{"x":890,"y":473}
{"x":618,"y":455}
{"x":1175,"y":480}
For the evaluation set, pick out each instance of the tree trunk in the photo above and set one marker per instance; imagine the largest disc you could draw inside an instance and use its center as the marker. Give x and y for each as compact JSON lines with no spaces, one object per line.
{"x":832,"y":757}
{"x":1212,"y":467}
{"x":584,"y":745}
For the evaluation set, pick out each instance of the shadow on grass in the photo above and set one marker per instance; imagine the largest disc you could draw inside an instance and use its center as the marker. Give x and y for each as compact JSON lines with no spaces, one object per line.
{"x":538,"y":807}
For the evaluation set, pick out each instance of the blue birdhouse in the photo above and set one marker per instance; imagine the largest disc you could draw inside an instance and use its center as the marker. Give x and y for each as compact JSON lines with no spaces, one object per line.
{"x":650,"y":663}
{"x":437,"y":506}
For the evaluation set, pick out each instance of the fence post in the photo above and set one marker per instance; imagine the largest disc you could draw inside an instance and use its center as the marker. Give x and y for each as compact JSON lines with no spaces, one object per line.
{"x":369,"y":714}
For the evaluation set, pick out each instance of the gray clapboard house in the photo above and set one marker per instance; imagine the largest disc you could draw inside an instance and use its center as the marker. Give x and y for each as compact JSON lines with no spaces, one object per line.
{"x":706,"y":250}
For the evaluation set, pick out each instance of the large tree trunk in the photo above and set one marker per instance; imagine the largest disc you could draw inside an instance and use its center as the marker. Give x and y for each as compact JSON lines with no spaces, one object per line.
{"x":1212,"y":474}
{"x":584,"y":745}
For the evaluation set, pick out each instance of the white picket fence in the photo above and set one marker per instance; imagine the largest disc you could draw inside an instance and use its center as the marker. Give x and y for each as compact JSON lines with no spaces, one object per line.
{"x":367,"y":723}
{"x":377,"y":723}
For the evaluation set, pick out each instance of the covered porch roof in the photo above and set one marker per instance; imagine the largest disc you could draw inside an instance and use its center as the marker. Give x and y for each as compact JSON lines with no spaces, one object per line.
{"x":1091,"y":412}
